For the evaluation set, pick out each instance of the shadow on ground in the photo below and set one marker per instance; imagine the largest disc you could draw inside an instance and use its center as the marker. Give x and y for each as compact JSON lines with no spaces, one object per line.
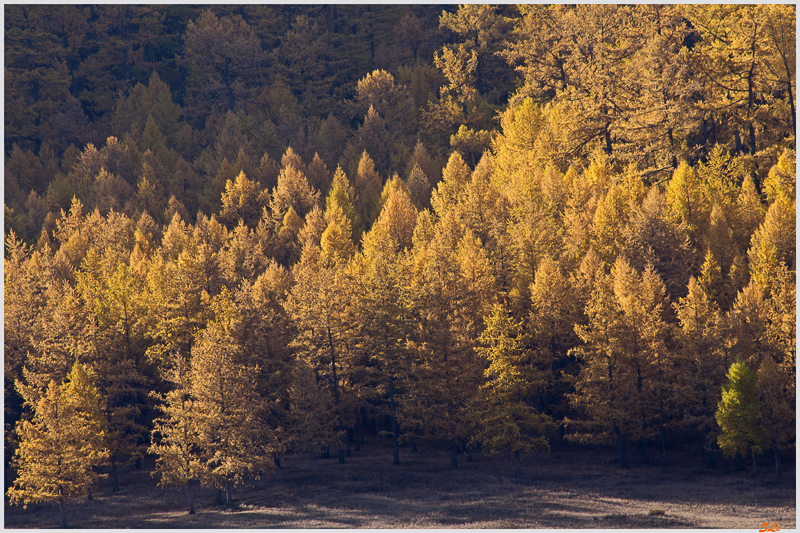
{"x":569,"y":488}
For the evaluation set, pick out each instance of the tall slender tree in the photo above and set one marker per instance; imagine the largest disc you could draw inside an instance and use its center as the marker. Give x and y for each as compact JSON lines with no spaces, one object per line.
{"x":61,"y":445}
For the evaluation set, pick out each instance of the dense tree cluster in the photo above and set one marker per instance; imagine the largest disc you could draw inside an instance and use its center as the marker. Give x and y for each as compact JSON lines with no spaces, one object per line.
{"x":222,"y":245}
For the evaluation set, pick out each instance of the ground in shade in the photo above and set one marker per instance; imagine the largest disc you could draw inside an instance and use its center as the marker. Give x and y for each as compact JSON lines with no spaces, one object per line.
{"x":569,"y":488}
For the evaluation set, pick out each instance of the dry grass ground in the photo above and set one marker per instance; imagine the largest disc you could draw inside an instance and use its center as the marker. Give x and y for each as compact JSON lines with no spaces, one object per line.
{"x":569,"y":488}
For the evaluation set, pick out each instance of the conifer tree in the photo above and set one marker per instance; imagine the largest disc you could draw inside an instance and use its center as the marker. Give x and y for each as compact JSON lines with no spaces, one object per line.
{"x":342,"y":194}
{"x":62,"y":444}
{"x":222,"y":55}
{"x":777,"y":418}
{"x":230,"y":414}
{"x":773,"y":242}
{"x":397,"y":216}
{"x":242,"y":200}
{"x":451,"y":286}
{"x":455,"y":177}
{"x":176,"y":436}
{"x":507,"y":421}
{"x":687,"y":202}
{"x":118,"y":330}
{"x":419,"y":186}
{"x":701,"y":349}
{"x":292,"y":191}
{"x":317,"y":308}
{"x":367,"y":187}
{"x":382,"y":310}
{"x":651,"y":238}
{"x":178,"y":302}
{"x":737,"y":413}
{"x":610,"y":218}
{"x":603,"y":381}
{"x":319,"y":177}
{"x":626,"y":372}
{"x":782,"y":178}
{"x":554,"y":311}
{"x":309,"y":412}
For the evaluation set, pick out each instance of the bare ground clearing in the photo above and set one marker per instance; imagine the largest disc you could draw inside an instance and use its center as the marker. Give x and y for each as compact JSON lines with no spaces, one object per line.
{"x":573,"y":487}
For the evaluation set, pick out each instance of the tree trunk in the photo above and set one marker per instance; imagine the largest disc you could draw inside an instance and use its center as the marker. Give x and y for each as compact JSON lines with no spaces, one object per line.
{"x":739,"y":465}
{"x":413,"y":445}
{"x":191,"y":496}
{"x":663,"y":438}
{"x":709,"y":453}
{"x":753,"y":453}
{"x":620,"y":451}
{"x":777,"y":458}
{"x":336,"y":393}
{"x":313,"y":464}
{"x":661,"y":411}
{"x":114,"y":475}
{"x":791,"y":106}
{"x":395,"y":442}
{"x":229,"y":495}
{"x":643,"y":448}
{"x":63,"y":513}
{"x":517,"y":466}
{"x":454,"y":455}
{"x":628,"y":447}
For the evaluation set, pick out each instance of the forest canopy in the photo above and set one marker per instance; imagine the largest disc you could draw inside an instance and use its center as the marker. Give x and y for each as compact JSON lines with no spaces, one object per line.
{"x":252,"y":229}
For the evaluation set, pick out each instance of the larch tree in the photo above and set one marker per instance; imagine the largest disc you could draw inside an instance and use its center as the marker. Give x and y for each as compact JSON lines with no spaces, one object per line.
{"x":745,"y":71}
{"x":382,"y":307}
{"x":450,"y":287}
{"x":310,"y":405}
{"x":506,"y":420}
{"x":342,"y":194}
{"x":652,"y":239}
{"x":223,"y":54}
{"x":776,"y":417}
{"x":603,"y":382}
{"x":317,"y":308}
{"x":624,"y":48}
{"x":117,"y":316}
{"x":737,"y":413}
{"x":701,"y":352}
{"x":642,"y":300}
{"x":178,"y":301}
{"x":379,"y":91}
{"x":243,"y":200}
{"x":368,"y":184}
{"x":627,"y":371}
{"x":554,"y":310}
{"x":23,"y":299}
{"x":293,"y":191}
{"x":229,"y":412}
{"x":782,"y":177}
{"x":686,"y":201}
{"x":61,"y":445}
{"x":176,"y":435}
